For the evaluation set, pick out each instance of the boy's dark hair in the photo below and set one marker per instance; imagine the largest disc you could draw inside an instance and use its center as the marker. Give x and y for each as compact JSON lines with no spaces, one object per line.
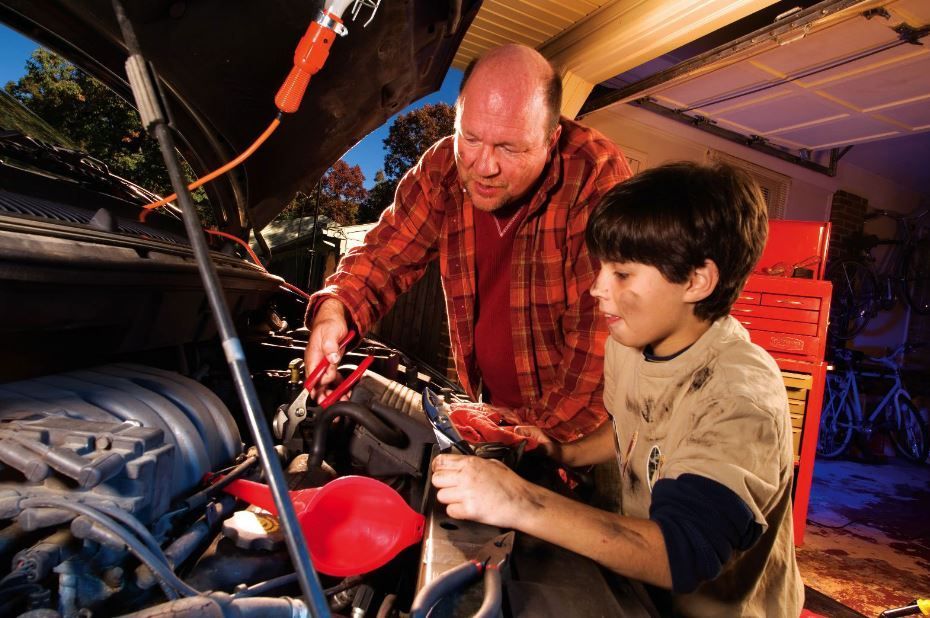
{"x":675,"y":217}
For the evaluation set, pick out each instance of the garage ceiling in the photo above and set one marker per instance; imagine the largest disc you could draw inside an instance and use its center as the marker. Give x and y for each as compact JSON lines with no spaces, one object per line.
{"x":857,"y":76}
{"x":593,"y":40}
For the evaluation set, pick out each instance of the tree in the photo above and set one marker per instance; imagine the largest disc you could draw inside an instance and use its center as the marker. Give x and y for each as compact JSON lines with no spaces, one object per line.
{"x":380,"y":196}
{"x":409,"y":136}
{"x":97,"y":120}
{"x":92,"y":116}
{"x":341,"y":193}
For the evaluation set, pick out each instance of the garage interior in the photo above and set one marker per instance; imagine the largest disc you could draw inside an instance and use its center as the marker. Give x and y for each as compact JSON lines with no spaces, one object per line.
{"x":828,"y":105}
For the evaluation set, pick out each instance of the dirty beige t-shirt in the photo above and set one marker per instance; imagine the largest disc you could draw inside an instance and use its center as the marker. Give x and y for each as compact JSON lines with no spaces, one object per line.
{"x":718,"y":410}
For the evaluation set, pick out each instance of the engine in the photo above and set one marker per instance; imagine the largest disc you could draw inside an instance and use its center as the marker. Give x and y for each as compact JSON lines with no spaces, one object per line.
{"x":110,"y":504}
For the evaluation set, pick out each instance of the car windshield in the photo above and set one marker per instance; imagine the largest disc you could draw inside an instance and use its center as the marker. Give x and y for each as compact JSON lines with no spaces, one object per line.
{"x":15,"y":118}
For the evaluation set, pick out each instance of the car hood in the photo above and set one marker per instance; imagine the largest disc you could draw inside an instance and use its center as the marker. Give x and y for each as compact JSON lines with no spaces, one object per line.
{"x":221,"y":64}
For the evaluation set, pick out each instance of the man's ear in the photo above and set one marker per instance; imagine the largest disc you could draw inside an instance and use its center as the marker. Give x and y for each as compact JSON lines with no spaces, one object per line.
{"x":554,"y":136}
{"x":703,"y":282}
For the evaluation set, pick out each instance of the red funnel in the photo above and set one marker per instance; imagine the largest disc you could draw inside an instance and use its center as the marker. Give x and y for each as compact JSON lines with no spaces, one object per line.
{"x":352,"y":525}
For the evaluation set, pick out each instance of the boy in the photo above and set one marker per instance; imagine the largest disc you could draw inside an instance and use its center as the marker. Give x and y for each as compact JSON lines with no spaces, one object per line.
{"x":700,"y":426}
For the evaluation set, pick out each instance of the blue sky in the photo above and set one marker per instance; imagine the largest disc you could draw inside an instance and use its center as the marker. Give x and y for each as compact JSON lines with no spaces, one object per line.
{"x":368,"y":153}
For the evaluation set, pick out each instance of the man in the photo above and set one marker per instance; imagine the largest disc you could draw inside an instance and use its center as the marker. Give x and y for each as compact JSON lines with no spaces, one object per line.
{"x":503,"y":205}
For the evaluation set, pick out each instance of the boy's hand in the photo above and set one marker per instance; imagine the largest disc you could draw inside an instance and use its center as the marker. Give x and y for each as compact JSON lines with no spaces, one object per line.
{"x":482,"y":490}
{"x":550,"y":447}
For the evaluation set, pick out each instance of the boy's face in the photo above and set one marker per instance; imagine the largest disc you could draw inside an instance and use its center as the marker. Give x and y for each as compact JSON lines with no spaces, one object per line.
{"x":643,"y":308}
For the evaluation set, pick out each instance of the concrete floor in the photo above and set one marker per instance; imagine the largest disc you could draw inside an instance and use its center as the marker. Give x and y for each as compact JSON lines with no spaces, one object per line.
{"x":867,"y":543}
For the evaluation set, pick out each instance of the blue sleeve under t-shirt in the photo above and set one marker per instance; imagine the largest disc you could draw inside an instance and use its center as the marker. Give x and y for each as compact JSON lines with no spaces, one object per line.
{"x":703,"y":522}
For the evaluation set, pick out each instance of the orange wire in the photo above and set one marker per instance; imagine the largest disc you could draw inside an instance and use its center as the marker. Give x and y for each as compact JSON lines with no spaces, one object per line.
{"x":218,"y":172}
{"x":241,"y":242}
{"x":255,"y":259}
{"x":296,"y":289}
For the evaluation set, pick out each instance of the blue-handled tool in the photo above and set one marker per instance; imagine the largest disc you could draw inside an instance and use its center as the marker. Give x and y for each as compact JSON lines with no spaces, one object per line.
{"x":446,"y":434}
{"x":490,"y":560}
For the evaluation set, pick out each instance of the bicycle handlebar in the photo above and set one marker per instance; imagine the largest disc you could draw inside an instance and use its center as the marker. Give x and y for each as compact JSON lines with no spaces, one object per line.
{"x":888,"y":359}
{"x":897,"y":216}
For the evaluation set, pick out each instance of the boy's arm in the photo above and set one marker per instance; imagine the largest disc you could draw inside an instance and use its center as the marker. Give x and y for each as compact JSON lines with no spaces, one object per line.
{"x":487,"y":491}
{"x":596,"y":447}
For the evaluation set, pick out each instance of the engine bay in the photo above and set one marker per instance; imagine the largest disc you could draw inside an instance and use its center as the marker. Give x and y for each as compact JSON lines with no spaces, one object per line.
{"x":123,"y":440}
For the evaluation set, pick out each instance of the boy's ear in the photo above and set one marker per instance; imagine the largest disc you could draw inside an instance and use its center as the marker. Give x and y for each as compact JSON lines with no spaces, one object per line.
{"x":703,"y":281}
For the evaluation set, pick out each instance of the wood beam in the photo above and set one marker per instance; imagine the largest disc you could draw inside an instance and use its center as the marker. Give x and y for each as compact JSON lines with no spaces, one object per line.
{"x":627,"y":33}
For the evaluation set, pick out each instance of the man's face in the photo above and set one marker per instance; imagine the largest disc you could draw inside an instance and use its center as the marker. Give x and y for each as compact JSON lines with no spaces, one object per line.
{"x":642,"y":307}
{"x":501,"y":144}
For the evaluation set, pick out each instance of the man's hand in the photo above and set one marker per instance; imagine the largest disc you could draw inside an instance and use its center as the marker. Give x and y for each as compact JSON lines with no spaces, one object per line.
{"x":482,"y":490}
{"x":327,"y":330}
{"x":550,"y":447}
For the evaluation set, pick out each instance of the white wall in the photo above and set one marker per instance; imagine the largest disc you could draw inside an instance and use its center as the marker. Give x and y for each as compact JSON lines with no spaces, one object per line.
{"x":662,"y":140}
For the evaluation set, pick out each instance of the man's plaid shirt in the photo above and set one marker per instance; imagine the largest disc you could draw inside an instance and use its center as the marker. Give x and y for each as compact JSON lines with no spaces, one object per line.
{"x":558,"y":338}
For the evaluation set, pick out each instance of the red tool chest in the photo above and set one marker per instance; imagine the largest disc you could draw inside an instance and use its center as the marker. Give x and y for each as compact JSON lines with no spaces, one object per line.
{"x":788,"y":316}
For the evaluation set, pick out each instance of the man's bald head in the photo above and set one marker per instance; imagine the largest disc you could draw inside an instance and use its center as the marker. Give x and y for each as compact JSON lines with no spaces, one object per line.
{"x":521,"y":70}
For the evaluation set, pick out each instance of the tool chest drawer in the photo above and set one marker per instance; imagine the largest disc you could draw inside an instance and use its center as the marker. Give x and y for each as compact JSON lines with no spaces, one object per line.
{"x":791,"y":302}
{"x":798,"y":386}
{"x":786,"y":343}
{"x":776,"y":313}
{"x":791,"y":315}
{"x":782,"y":326}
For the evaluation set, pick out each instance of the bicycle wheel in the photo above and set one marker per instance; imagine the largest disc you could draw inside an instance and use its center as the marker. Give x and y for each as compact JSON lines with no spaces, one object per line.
{"x":836,"y":424}
{"x":907,"y":430}
{"x":855,"y":298}
{"x":916,"y":274}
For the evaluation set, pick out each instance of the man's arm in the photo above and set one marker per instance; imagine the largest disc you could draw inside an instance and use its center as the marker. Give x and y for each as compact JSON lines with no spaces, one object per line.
{"x":596,"y":447}
{"x":487,"y":491}
{"x":371,"y":277}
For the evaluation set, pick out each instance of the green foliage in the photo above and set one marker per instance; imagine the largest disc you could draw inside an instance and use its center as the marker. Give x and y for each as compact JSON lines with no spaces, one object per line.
{"x":340,"y":195}
{"x":95,"y":119}
{"x":410,"y":135}
{"x":413,"y":133}
{"x":379,"y":198}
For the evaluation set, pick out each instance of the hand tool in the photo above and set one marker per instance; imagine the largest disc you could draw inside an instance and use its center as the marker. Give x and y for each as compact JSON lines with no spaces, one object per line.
{"x":298,"y":411}
{"x":446,"y":434}
{"x":490,"y":560}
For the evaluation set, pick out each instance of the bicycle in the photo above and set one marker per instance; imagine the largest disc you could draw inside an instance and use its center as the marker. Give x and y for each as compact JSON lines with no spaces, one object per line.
{"x":861,"y":291}
{"x":843,"y":412}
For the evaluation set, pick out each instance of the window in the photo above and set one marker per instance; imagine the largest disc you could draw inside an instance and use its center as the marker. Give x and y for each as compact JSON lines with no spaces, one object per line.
{"x":774,"y":186}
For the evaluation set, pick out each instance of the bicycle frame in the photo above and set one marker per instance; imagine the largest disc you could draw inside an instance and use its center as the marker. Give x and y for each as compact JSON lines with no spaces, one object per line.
{"x":844,"y":413}
{"x":866,"y":284}
{"x":892,"y":396}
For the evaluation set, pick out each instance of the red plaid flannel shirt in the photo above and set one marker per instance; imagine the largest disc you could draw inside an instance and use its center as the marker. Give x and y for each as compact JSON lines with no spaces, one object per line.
{"x":557,"y":336}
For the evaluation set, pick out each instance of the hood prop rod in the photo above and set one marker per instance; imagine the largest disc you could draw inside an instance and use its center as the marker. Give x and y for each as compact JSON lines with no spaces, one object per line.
{"x":153,"y":112}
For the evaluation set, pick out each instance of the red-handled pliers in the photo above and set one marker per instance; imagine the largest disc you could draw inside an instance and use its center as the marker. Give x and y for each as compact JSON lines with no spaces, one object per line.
{"x":297,"y":411}
{"x":490,"y":560}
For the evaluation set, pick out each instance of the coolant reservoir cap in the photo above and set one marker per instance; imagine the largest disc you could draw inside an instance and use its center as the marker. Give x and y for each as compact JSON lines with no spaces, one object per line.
{"x":254,"y":529}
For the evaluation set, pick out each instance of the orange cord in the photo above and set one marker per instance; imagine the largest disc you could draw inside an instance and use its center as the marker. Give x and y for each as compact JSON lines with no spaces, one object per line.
{"x":218,"y":172}
{"x":255,"y":259}
{"x":241,"y":242}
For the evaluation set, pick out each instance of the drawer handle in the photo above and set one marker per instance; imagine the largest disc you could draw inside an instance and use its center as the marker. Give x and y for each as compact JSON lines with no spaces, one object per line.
{"x":788,"y":302}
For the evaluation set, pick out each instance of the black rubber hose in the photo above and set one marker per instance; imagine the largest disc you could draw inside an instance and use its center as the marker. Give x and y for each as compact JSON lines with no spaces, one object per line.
{"x":202,"y":497}
{"x":167,"y":578}
{"x":363,"y":416}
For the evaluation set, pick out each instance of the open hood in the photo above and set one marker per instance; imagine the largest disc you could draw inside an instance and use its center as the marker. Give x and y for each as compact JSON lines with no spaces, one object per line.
{"x":222,"y":62}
